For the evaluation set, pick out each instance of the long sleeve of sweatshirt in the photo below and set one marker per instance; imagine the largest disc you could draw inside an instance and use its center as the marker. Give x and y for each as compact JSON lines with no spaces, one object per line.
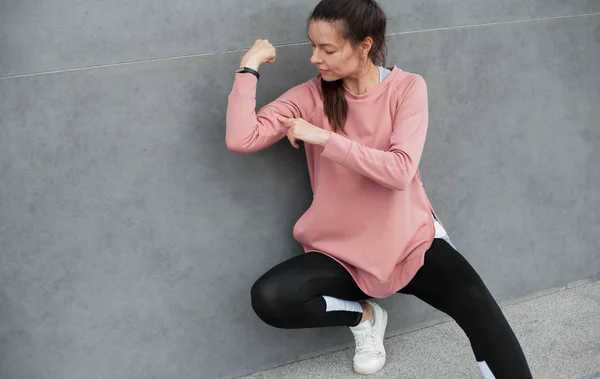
{"x":395,"y":167}
{"x":248,"y":131}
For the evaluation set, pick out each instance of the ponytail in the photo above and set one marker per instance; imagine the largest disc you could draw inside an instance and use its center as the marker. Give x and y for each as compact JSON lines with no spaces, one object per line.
{"x":334,"y":103}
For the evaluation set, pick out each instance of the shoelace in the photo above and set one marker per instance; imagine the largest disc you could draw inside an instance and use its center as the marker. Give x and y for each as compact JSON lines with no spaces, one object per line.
{"x":365,"y":342}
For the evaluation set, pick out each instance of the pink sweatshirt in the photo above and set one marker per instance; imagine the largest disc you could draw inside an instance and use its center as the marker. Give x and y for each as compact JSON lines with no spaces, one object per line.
{"x":369,"y":211}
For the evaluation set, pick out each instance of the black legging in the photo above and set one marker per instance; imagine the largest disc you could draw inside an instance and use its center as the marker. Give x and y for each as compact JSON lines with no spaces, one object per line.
{"x":290,"y":296}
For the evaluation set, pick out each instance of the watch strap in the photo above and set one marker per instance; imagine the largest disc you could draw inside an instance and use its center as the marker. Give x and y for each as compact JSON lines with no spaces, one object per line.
{"x":249,"y":70}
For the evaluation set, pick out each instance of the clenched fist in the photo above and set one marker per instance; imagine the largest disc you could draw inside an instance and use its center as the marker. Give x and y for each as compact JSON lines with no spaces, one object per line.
{"x":261,"y":52}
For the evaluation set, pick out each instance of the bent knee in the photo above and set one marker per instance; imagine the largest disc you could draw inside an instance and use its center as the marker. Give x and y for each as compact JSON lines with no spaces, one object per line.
{"x":268,"y":300}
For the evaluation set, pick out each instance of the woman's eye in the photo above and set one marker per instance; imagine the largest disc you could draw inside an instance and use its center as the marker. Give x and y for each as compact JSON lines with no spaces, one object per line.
{"x":329,"y":52}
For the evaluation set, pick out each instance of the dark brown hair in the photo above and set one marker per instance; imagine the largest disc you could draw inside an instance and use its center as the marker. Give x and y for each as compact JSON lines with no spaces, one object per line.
{"x":356,"y":20}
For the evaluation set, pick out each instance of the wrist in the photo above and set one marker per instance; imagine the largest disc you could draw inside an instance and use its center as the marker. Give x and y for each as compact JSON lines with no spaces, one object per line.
{"x":250,"y":63}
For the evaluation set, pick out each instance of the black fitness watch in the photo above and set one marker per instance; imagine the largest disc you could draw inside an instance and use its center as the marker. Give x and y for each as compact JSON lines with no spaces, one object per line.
{"x":247,"y":69}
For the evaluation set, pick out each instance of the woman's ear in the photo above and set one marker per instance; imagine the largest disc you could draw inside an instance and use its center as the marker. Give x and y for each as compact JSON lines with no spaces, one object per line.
{"x":366,"y":46}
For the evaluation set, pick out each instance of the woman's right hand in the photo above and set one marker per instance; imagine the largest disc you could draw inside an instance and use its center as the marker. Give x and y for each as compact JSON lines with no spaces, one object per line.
{"x":261,"y":52}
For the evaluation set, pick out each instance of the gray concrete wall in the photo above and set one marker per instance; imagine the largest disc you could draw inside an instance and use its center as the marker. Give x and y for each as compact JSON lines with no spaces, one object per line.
{"x":130,"y":235}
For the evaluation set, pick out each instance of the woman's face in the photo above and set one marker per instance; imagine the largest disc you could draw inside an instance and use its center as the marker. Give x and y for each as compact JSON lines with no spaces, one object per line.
{"x":334,"y":56}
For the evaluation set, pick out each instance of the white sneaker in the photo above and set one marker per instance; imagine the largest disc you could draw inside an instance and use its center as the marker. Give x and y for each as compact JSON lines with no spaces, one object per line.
{"x":369,"y":356}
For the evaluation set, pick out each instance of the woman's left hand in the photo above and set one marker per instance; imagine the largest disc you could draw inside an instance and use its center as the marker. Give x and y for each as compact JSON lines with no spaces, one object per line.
{"x":304,"y":131}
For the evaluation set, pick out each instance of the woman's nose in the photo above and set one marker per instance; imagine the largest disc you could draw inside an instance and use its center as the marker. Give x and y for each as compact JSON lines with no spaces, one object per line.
{"x":314,"y":59}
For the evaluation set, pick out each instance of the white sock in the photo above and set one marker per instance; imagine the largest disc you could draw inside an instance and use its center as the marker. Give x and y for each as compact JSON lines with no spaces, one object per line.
{"x":335,"y":304}
{"x":485,"y":370}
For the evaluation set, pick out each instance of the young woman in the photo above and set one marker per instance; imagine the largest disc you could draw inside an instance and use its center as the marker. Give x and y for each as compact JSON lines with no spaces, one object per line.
{"x":371,"y":231}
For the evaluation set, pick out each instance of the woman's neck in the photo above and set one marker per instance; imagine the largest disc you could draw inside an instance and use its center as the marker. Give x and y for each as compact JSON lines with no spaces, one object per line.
{"x":364,"y":81}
